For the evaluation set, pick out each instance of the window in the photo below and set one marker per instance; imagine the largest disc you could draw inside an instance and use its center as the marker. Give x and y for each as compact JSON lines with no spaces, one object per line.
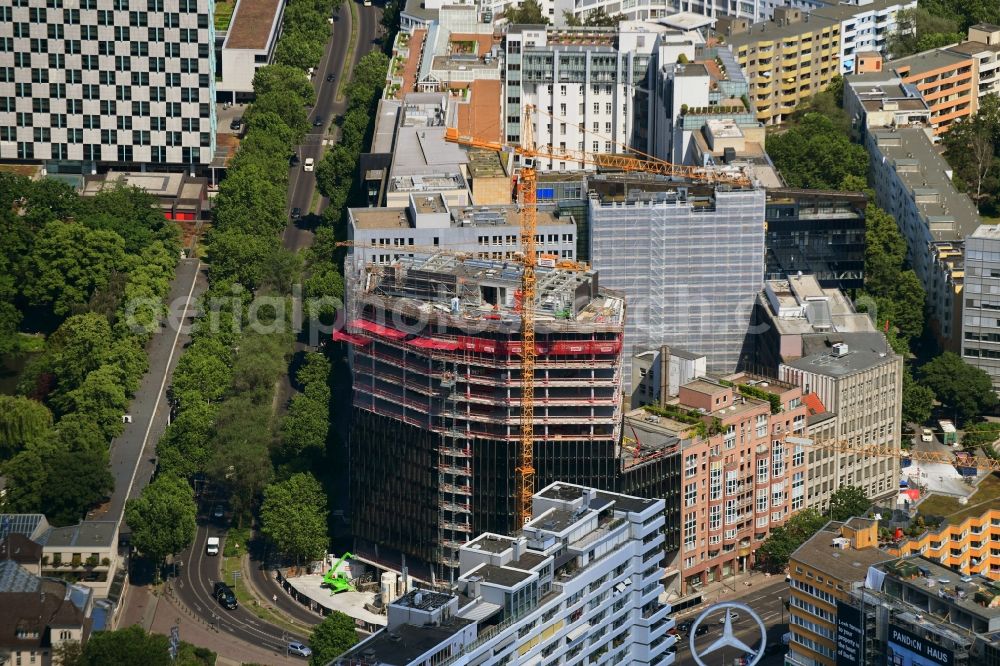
{"x":715,"y":482}
{"x":762,"y":500}
{"x":798,"y":457}
{"x":691,"y":464}
{"x":691,"y":531}
{"x":761,"y":425}
{"x":732,"y":483}
{"x":762,"y":468}
{"x":777,"y":459}
{"x":730,"y":511}
{"x":715,"y":517}
{"x":691,"y":494}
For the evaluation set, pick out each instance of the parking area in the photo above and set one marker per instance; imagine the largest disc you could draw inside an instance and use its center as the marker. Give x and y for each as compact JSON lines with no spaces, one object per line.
{"x":226,"y":113}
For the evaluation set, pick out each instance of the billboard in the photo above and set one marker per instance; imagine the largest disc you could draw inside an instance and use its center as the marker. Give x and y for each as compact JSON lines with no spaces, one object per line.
{"x":906,"y":649}
{"x":850,"y":636}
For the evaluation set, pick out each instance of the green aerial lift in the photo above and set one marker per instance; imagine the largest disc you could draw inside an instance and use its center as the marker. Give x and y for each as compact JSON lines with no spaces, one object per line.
{"x":338,"y":581}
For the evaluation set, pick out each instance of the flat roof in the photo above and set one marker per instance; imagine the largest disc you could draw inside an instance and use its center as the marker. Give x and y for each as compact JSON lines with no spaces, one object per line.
{"x":864,"y":351}
{"x":485,"y":164}
{"x":972,"y":48}
{"x":686,"y":21}
{"x":416,"y":9}
{"x":704,"y":387}
{"x":627,"y":503}
{"x":845,"y":10}
{"x":926,"y":61}
{"x":479,"y":116}
{"x":403,"y":644}
{"x":919,"y":165}
{"x":770,"y":31}
{"x":847,"y":565}
{"x":492,"y":216}
{"x":947,"y":584}
{"x":491,"y":543}
{"x":253,"y":24}
{"x":89,"y":533}
{"x":555,"y":520}
{"x":499,"y":575}
{"x":528,"y":561}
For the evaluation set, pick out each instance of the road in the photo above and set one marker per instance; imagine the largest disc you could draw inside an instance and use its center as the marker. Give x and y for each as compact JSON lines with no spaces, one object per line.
{"x":302,"y":184}
{"x":193,"y":587}
{"x":767,"y":601}
{"x":133,"y":453}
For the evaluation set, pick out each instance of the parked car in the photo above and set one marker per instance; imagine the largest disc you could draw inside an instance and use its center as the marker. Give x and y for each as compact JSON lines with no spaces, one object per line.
{"x":309,"y":165}
{"x":701,"y":630}
{"x":236,"y":124}
{"x":212,"y":547}
{"x":734,"y":616}
{"x":296,"y":213}
{"x":218,"y":511}
{"x":330,"y":78}
{"x":299,"y":650}
{"x":224,"y":595}
{"x":926,"y":435}
{"x":685,"y":627}
{"x":294,"y":160}
{"x":318,"y":121}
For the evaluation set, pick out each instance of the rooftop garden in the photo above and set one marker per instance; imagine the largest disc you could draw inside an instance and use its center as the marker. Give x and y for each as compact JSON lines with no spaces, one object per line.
{"x":690,"y":417}
{"x":224,"y":14}
{"x":985,"y":497}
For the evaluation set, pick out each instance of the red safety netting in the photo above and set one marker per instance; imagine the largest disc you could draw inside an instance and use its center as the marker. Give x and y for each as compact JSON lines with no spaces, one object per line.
{"x":372,"y":327}
{"x":433,"y":343}
{"x":341,"y":336}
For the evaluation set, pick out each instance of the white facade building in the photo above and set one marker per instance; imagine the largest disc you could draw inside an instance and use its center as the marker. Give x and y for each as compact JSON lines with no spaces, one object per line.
{"x":588,"y":87}
{"x":382,"y":235}
{"x":247,"y":45}
{"x":865,"y":25}
{"x":110,"y":81}
{"x":580,"y":584}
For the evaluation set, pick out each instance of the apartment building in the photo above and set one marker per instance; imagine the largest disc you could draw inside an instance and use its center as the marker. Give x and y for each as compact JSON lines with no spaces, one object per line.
{"x":865,"y":26}
{"x":912,"y":183}
{"x":588,"y":87}
{"x":881,"y":100}
{"x":818,"y":233}
{"x":980,"y":325}
{"x":579,"y":583}
{"x":742,"y":471}
{"x":108,"y":83}
{"x":84,"y":554}
{"x":786,"y":60}
{"x":945,"y":79}
{"x":971,"y":546}
{"x":38,"y":614}
{"x":658,"y":373}
{"x":857,"y":377}
{"x":824,"y":570}
{"x":984,"y":46}
{"x":383,"y":235}
{"x":435,"y":439}
{"x":661,"y":243}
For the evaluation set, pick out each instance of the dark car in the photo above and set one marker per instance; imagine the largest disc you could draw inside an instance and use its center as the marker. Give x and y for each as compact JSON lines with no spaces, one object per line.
{"x":296,"y":213}
{"x":685,"y":627}
{"x":318,"y":122}
{"x":224,"y":595}
{"x":236,"y":124}
{"x":218,"y":511}
{"x":701,"y":630}
{"x":330,"y":78}
{"x":293,"y":160}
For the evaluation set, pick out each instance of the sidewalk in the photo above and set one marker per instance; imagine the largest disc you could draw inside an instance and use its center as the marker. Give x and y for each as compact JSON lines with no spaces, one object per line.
{"x":270,"y":595}
{"x":733,"y":588}
{"x":159,"y":612}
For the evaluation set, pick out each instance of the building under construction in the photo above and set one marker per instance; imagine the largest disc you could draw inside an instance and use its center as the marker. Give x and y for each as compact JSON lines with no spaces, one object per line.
{"x":436,"y":362}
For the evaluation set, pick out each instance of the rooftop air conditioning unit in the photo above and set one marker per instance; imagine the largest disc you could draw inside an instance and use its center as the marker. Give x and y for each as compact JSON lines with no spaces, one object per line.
{"x":839,"y":350}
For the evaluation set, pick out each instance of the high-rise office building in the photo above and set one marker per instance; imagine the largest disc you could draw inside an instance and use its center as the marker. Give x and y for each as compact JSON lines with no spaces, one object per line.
{"x":980,"y":323}
{"x":437,"y":397}
{"x":688,"y":257}
{"x":107,"y":82}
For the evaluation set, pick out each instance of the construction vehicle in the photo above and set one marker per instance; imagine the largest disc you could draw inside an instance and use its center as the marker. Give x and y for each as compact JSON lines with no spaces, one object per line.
{"x":338,"y":581}
{"x":527,"y":196}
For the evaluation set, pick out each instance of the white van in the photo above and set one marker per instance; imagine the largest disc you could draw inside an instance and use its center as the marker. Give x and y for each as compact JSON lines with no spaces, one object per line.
{"x":212,"y":547}
{"x":309,"y":164}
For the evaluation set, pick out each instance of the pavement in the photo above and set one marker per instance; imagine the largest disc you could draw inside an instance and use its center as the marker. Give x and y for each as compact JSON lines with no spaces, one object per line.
{"x":940,"y":478}
{"x":133,"y":453}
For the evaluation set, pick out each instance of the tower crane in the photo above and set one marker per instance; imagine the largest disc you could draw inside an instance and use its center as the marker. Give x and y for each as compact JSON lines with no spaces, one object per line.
{"x":527,"y":195}
{"x":886,"y":451}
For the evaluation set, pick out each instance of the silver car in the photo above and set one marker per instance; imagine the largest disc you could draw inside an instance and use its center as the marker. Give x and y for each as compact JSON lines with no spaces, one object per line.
{"x":299,"y":649}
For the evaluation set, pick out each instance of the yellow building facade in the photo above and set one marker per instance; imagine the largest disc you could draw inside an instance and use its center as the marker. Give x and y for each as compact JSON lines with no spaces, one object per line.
{"x":972,"y":546}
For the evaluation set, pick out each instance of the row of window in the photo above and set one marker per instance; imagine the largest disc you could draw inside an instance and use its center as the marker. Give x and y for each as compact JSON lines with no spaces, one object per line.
{"x":94,"y":152}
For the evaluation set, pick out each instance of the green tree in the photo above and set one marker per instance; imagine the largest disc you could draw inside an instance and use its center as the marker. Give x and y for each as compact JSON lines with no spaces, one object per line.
{"x":885,"y":251}
{"x":847,"y":502}
{"x":69,"y":261}
{"x":185,"y":448}
{"x":331,"y":638}
{"x":294,"y":516}
{"x":241,"y":455}
{"x":68,"y":653}
{"x":917,"y":400}
{"x":283,"y":79}
{"x":162,"y":518}
{"x":982,"y":434}
{"x":905,"y":307}
{"x":961,"y":388}
{"x":10,"y":320}
{"x":203,"y":373}
{"x":79,"y":346}
{"x":782,"y":541}
{"x":529,"y":12}
{"x":238,"y":257}
{"x":919,"y":30}
{"x":131,"y":213}
{"x":75,"y":481}
{"x":971,"y":147}
{"x":21,"y":421}
{"x":101,"y":397}
{"x":815,"y":154}
{"x":126,"y":647}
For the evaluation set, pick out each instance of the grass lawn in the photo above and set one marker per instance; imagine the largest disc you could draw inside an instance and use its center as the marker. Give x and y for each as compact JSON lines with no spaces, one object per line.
{"x":985,"y":497}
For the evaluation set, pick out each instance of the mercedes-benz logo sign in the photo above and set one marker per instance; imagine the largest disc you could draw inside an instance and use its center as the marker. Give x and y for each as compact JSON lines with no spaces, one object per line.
{"x":728,"y":639}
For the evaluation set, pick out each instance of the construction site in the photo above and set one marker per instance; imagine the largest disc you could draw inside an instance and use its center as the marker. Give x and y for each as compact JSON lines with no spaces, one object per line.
{"x":436,"y":362}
